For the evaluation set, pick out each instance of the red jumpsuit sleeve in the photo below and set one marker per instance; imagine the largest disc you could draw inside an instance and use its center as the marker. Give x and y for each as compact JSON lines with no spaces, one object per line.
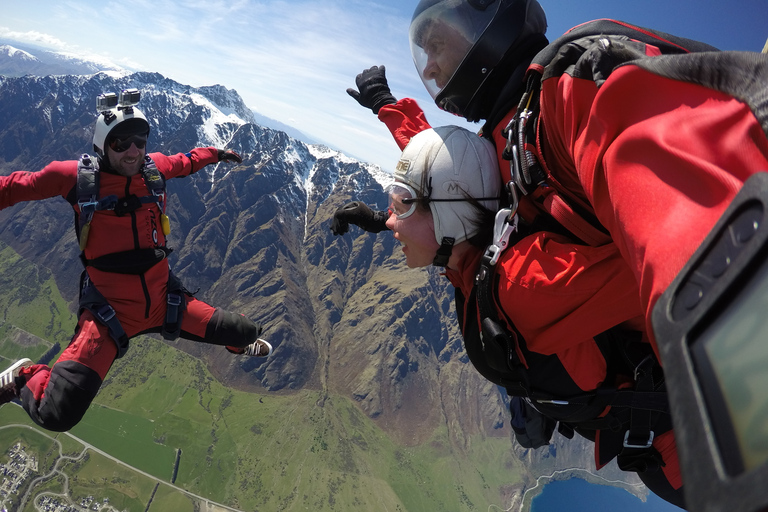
{"x":55,"y":179}
{"x":184,"y":164}
{"x":659,"y":160}
{"x":404,"y":120}
{"x":560,"y":295}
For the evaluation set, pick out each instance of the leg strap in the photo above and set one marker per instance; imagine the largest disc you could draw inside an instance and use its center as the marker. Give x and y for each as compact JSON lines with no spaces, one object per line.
{"x":92,"y":300}
{"x":175,"y":306}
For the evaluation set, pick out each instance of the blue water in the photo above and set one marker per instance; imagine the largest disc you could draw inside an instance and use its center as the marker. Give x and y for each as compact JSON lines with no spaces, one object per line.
{"x":577,"y":495}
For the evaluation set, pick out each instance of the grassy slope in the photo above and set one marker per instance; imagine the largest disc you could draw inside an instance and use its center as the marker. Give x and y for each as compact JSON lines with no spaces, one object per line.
{"x":250,"y":451}
{"x":282,"y":452}
{"x":31,"y":309}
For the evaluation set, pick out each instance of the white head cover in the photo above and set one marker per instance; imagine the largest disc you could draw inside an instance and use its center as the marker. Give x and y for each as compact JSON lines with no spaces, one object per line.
{"x":460,"y":165}
{"x":124,"y":121}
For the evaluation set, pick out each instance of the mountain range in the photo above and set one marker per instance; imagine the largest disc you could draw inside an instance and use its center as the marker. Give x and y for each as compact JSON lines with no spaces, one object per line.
{"x":345,"y":315}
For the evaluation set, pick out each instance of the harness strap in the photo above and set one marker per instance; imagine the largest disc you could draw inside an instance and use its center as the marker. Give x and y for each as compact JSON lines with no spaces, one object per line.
{"x":499,"y":344}
{"x":92,"y":300}
{"x":176,"y":303}
{"x":87,"y":195}
{"x":637,"y":452}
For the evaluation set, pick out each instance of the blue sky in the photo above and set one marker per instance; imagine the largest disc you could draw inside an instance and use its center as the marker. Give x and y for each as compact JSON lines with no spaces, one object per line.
{"x":292,"y":60}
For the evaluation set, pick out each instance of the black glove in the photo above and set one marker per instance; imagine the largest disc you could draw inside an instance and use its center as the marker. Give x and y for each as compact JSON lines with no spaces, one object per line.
{"x":359,"y":214}
{"x":374,"y":91}
{"x":227,"y":155}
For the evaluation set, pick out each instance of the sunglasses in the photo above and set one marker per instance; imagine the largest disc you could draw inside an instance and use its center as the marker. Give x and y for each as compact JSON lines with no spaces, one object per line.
{"x":120,"y":145}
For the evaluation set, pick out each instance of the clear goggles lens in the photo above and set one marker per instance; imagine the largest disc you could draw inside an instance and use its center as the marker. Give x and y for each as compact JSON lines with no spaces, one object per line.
{"x":402,"y":200}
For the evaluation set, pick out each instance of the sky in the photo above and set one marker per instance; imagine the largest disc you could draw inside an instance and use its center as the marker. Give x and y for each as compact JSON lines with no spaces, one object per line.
{"x":292,"y":60}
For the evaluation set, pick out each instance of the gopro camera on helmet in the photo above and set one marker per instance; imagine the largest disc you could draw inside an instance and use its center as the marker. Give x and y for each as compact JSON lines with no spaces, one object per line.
{"x":106,"y":101}
{"x":129,"y":97}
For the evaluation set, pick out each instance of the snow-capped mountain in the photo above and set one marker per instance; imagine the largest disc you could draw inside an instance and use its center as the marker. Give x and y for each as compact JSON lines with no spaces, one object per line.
{"x":18,"y":59}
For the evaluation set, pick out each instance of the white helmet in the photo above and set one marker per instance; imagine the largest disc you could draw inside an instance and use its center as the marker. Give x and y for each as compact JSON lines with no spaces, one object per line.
{"x":118,"y":121}
{"x":449,"y":167}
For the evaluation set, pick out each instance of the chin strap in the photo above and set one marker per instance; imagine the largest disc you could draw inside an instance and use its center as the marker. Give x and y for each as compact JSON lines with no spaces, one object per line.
{"x":444,"y":252}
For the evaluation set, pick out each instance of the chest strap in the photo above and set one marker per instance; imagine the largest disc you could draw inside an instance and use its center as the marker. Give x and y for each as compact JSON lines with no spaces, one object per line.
{"x":88,"y":195}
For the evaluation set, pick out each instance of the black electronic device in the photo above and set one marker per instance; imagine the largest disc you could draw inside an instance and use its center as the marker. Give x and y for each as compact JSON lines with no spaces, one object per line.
{"x":711,"y":328}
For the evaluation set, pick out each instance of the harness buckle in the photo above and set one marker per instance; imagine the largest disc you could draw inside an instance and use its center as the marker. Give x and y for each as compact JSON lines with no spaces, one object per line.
{"x":174,"y":299}
{"x":492,"y":253}
{"x":87,"y":206}
{"x":504,"y":225}
{"x":645,"y":446}
{"x":640,"y":369}
{"x":106,"y":313}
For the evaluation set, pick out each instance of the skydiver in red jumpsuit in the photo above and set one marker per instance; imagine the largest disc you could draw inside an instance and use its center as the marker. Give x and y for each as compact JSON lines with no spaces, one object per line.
{"x":127,"y":287}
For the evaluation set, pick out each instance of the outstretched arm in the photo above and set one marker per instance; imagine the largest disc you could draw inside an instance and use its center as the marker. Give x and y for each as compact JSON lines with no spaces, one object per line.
{"x":359,"y":214}
{"x":404,"y":118}
{"x":184,"y":164}
{"x":55,"y":179}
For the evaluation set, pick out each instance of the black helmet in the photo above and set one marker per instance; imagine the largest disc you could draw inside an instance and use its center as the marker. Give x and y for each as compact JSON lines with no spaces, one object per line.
{"x":458,"y":44}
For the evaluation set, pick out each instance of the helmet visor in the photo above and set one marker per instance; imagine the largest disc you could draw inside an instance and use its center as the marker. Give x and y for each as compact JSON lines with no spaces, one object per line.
{"x":442,"y":34}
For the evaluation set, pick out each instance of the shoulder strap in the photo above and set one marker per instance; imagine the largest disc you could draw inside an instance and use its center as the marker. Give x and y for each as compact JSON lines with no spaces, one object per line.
{"x":528,"y":178}
{"x":154,"y":181}
{"x":87,"y":195}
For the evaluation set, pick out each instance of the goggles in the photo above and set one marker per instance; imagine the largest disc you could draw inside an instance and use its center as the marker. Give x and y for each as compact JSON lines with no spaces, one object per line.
{"x":403,"y":199}
{"x":119,"y":145}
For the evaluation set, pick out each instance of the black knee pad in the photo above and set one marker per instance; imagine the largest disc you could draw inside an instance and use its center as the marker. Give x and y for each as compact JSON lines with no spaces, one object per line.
{"x":231,"y":329}
{"x":70,"y":391}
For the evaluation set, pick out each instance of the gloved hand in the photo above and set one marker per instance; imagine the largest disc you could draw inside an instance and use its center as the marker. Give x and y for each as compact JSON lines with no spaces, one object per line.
{"x":373,"y":89}
{"x":227,"y":155}
{"x":359,"y":214}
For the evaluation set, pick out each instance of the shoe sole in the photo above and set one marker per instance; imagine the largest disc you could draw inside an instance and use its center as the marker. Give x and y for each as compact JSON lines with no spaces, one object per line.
{"x":268,"y":344}
{"x":9,"y":373}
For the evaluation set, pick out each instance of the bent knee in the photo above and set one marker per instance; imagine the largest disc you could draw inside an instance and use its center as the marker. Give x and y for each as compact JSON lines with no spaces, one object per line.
{"x":70,"y":391}
{"x":231,"y":329}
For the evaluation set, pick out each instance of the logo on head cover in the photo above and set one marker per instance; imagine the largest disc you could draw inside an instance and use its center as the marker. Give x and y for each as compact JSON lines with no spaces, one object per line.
{"x":455,"y":188}
{"x":403,"y":166}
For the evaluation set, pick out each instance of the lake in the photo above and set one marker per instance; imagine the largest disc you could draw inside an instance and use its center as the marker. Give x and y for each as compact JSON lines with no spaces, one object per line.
{"x":577,"y":495}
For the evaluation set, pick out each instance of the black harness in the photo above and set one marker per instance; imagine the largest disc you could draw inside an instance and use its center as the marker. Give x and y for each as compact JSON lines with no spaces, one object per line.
{"x":500,"y":354}
{"x":134,"y":262}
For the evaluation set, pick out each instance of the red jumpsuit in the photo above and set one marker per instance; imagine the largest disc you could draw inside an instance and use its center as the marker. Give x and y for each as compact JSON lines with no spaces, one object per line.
{"x":56,"y":398}
{"x":560,"y":296}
